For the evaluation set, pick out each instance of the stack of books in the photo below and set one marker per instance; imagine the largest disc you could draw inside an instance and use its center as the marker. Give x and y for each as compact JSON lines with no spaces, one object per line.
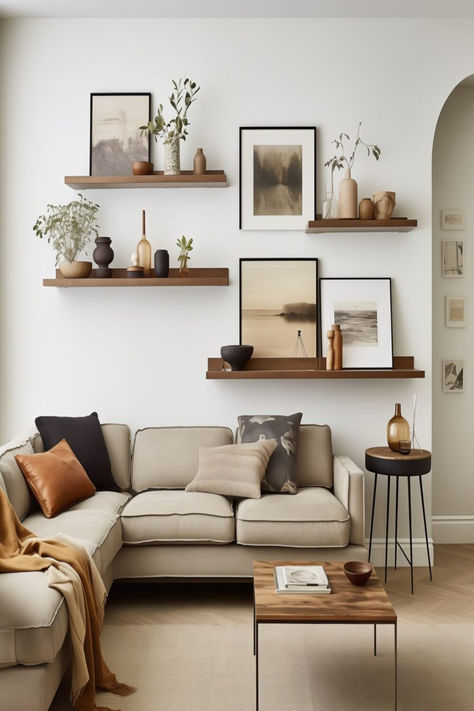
{"x":298,"y":579}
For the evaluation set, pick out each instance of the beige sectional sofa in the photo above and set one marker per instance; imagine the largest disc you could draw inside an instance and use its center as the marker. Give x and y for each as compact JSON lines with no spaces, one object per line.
{"x":152,"y":528}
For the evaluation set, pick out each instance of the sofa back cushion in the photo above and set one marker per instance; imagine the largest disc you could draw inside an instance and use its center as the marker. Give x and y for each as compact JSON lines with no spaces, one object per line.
{"x":314,"y":456}
{"x":16,"y":487}
{"x":168,"y":457}
{"x":117,"y":441}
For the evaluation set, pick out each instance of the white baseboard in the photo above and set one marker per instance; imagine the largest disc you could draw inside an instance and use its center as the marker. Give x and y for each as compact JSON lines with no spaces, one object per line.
{"x":420,"y":557}
{"x":452,"y":529}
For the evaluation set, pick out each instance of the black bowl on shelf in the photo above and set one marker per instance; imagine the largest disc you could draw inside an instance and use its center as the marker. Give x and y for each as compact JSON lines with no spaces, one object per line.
{"x":236,"y":356}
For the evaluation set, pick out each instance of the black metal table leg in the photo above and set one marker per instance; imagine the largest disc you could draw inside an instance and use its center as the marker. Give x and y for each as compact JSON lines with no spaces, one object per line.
{"x":386,"y":524}
{"x":254,"y":620}
{"x":396,"y":521}
{"x":256,"y":666}
{"x":424,"y":522}
{"x":411,"y":537}
{"x":396,"y":666}
{"x":372,"y":517}
{"x":375,"y":640}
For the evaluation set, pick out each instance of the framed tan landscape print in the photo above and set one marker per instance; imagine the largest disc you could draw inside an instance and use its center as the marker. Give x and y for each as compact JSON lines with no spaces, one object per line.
{"x":277,"y":177}
{"x":278,"y":307}
{"x":452,"y":219}
{"x":456,"y":310}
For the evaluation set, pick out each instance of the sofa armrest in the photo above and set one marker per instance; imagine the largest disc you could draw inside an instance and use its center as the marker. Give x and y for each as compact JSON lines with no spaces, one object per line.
{"x":349,"y":490}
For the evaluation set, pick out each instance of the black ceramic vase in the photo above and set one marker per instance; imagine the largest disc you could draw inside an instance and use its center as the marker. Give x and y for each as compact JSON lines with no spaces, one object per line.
{"x":162,"y":263}
{"x":103,"y":255}
{"x":236,"y":356}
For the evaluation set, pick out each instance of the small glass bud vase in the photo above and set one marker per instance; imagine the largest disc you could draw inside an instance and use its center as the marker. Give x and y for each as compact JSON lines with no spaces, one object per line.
{"x":398,"y":431}
{"x":183,"y":264}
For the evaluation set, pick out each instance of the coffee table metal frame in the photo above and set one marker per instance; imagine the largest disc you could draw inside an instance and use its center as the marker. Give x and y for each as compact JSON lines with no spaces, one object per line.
{"x":257,"y":623}
{"x":381,"y":460}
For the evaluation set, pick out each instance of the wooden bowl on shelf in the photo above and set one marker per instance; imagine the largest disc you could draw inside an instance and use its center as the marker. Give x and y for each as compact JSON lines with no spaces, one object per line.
{"x":142,"y":167}
{"x":357,"y":571}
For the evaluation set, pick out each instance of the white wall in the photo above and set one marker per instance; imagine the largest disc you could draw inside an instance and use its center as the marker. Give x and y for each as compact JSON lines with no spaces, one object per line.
{"x":139,"y":356}
{"x":453,"y":187}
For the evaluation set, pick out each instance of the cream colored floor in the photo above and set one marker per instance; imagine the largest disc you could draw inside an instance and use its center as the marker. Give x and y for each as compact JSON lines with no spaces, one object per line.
{"x":448,"y":599}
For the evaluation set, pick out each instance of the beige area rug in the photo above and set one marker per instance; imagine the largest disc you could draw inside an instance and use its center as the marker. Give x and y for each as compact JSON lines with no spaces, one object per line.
{"x":303,"y":668}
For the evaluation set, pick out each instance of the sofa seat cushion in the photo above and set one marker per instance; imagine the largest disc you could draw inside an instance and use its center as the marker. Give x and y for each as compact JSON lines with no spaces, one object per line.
{"x":98,"y":531}
{"x":33,"y":619}
{"x":312,"y":518}
{"x":177,"y":517}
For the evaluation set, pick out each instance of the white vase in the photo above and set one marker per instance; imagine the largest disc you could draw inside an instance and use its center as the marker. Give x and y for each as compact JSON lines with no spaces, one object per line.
{"x":348,"y":196}
{"x":172,"y":157}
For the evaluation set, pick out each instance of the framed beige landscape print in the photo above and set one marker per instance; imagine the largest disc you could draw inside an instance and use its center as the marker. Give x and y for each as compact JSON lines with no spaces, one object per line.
{"x":278,"y":307}
{"x":277,"y":177}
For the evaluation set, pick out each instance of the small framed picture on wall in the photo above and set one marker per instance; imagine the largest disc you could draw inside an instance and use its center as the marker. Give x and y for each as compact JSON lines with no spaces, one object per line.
{"x":115,"y":138}
{"x":453,"y":375}
{"x":277,"y":177}
{"x":452,"y":258}
{"x":452,"y":219}
{"x":456,"y":310}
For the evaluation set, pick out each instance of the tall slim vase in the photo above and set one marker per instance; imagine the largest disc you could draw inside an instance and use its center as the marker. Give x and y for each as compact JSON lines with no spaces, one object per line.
{"x":348,"y":196}
{"x":172,"y":157}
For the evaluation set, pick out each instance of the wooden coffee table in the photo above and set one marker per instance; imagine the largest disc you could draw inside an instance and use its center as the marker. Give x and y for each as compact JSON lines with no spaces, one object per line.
{"x":347,"y":604}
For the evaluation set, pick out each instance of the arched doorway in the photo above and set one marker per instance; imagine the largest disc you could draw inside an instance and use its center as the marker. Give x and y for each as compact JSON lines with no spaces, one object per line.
{"x":453,"y":294}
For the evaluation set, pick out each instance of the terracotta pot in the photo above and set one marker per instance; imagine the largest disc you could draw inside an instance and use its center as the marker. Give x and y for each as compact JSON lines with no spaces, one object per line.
{"x":384,"y":204}
{"x":75,"y":270}
{"x":142,"y":167}
{"x":366,"y":209}
{"x":348,"y":196}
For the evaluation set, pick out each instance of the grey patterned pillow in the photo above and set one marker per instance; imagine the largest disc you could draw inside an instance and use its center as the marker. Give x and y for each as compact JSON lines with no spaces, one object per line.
{"x":280,"y":476}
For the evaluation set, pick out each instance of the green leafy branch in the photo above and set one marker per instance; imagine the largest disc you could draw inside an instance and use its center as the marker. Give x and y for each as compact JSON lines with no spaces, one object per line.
{"x":339,"y":160}
{"x":68,"y":228}
{"x":183,"y":95}
{"x":185,"y":246}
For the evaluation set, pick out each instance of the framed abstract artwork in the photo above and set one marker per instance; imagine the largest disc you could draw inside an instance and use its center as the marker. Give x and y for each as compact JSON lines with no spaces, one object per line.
{"x":363,"y":310}
{"x":115,"y":140}
{"x":278,"y":307}
{"x":453,"y":375}
{"x":456,"y":310}
{"x":277,"y":178}
{"x":452,"y":256}
{"x":452,"y":219}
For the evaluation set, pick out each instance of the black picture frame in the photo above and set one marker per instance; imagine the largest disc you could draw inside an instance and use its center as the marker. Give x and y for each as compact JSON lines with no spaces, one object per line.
{"x":141,"y":120}
{"x":280,"y":222}
{"x":294,"y":319}
{"x":353,"y":360}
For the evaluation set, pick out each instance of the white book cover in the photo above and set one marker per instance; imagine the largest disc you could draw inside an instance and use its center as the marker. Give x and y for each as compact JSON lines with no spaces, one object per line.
{"x":307,"y":575}
{"x":282,"y":588}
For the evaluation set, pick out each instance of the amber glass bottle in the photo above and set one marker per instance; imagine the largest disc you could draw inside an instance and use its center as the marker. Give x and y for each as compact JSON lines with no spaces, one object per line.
{"x":398,"y":430}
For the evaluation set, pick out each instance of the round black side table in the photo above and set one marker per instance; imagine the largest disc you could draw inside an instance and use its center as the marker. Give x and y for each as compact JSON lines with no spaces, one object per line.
{"x":382,"y":460}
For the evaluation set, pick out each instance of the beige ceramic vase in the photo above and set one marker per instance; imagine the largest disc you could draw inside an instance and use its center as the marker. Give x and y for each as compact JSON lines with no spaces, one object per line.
{"x":347,"y":196}
{"x":199,"y":162}
{"x":384,"y":202}
{"x":366,"y":209}
{"x":75,"y":270}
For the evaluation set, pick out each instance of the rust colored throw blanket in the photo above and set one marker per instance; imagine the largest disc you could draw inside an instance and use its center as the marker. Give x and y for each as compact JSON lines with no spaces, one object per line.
{"x":21,"y":551}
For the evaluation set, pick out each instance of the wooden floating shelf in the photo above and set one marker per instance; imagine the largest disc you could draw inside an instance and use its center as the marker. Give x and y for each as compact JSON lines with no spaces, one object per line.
{"x":186,"y":179}
{"x":197,"y":277}
{"x":395,"y":224}
{"x":308,"y":369}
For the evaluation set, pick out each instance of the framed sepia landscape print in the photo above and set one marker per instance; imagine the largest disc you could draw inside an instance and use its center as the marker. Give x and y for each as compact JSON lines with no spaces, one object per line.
{"x":115,"y":141}
{"x":453,"y":375}
{"x":456,"y":310}
{"x":277,"y":177}
{"x":278,"y":307}
{"x":363,"y":310}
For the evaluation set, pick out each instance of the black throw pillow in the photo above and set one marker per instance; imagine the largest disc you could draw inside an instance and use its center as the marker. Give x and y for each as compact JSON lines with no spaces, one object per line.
{"x":280,"y":476}
{"x":84,"y":436}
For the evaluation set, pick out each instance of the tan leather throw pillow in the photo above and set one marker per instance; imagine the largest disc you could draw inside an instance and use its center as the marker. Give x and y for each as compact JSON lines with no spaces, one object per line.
{"x":56,"y":478}
{"x":233,"y":469}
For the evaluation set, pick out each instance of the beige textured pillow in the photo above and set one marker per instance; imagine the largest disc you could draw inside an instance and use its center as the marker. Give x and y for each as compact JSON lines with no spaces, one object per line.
{"x":233,"y":469}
